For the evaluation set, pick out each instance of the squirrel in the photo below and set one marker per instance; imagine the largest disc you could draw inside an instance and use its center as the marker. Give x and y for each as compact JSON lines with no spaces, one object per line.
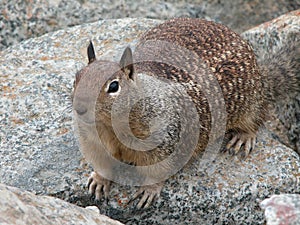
{"x":166,"y":84}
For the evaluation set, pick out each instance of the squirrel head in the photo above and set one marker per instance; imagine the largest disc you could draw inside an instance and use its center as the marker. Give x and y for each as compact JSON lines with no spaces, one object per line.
{"x":97,"y":85}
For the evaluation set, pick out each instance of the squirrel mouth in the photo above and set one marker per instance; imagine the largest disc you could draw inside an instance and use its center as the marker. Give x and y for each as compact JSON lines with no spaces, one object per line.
{"x":86,"y":122}
{"x":84,"y":119}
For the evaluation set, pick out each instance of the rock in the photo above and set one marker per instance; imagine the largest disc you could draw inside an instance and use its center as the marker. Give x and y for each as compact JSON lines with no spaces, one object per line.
{"x":39,"y":152}
{"x":266,"y":39}
{"x":282,"y":209}
{"x":21,"y":20}
{"x":270,"y":35}
{"x":23,"y":207}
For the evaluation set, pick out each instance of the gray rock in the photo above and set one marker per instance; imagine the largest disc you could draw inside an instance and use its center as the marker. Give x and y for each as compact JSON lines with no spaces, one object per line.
{"x":272,"y":34}
{"x":22,"y":207}
{"x":21,"y":20}
{"x":282,"y":209}
{"x":39,"y":152}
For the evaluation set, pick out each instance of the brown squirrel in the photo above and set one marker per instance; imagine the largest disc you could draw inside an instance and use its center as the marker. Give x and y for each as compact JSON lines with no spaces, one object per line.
{"x":136,"y":113}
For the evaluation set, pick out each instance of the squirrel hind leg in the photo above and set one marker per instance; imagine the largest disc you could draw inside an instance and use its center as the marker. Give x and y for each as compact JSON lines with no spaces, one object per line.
{"x":240,"y":143}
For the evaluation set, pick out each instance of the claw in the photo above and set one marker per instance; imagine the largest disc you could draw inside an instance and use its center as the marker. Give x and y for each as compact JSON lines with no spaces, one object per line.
{"x":97,"y":184}
{"x":98,"y":193}
{"x":241,"y":142}
{"x":136,"y":195}
{"x":237,"y":146}
{"x":148,"y":195}
{"x":143,"y":201}
{"x":150,"y":199}
{"x":231,"y":142}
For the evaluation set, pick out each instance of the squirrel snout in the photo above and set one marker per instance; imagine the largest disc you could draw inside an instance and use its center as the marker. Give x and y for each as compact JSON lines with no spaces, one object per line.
{"x":80,"y":109}
{"x":84,"y":112}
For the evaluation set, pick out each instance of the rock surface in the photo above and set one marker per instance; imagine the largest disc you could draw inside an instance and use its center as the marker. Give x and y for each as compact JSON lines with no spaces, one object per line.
{"x":282,"y":209}
{"x":39,"y":152}
{"x":21,"y":20}
{"x":22,"y":207}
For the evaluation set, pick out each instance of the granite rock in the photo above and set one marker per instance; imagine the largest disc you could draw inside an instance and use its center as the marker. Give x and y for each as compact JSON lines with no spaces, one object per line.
{"x":21,"y":20}
{"x":39,"y":152}
{"x":22,"y":207}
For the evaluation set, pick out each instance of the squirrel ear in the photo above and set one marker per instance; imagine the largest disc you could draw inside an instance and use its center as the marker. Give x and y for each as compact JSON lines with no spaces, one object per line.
{"x":126,"y":63}
{"x":91,"y":52}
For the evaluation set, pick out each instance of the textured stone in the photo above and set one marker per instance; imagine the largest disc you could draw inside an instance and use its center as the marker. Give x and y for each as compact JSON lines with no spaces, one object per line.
{"x":268,"y":36}
{"x":21,"y":20}
{"x":22,"y":207}
{"x":282,"y":209}
{"x":39,"y":152}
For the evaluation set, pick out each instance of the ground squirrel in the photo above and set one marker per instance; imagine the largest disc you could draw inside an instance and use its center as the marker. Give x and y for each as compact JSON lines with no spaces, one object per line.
{"x":165,"y":92}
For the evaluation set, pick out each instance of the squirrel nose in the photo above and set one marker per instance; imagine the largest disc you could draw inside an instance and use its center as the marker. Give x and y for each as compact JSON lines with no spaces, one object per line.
{"x":80,"y":110}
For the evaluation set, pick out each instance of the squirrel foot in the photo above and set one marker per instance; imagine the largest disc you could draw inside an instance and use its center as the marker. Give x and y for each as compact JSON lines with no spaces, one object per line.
{"x":149,"y":194}
{"x":98,"y":185}
{"x":241,"y":141}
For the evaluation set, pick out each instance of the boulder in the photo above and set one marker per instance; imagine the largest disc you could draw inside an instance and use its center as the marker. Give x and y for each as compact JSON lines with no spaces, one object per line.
{"x":20,"y":20}
{"x":39,"y":151}
{"x":22,"y":207}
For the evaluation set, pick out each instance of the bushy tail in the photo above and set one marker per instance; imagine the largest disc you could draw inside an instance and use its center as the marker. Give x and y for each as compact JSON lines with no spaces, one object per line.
{"x":281,"y":70}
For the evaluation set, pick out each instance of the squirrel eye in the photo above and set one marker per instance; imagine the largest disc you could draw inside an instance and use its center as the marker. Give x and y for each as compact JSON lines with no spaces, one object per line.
{"x":113,"y":87}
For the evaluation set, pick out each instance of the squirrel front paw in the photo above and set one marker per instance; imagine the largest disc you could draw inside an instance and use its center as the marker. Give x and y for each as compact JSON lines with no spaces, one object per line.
{"x":148,"y":193}
{"x":241,"y":142}
{"x":98,"y":185}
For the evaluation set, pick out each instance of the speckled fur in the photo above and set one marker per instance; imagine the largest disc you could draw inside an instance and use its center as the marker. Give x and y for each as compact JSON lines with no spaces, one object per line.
{"x":229,"y":57}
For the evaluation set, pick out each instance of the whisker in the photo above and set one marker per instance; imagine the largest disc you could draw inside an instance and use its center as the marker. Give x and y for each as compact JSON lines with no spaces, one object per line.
{"x":65,"y":111}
